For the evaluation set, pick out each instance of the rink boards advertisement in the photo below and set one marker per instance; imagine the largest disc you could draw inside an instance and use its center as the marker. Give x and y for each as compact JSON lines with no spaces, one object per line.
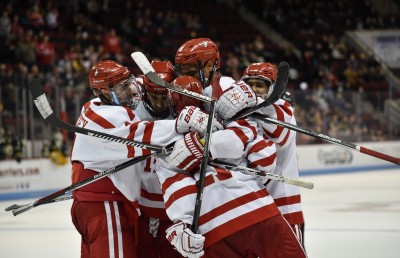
{"x":32,"y":178}
{"x":40,"y":177}
{"x":331,"y":158}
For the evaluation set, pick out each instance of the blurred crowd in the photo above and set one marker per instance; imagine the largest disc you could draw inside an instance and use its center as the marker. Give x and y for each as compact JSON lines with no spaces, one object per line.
{"x":337,"y":90}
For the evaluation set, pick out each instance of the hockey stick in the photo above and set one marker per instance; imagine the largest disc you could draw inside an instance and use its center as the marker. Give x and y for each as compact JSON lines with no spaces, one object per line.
{"x":279,"y":87}
{"x":207,"y":141}
{"x":329,"y":139}
{"x":18,"y":209}
{"x":256,"y":172}
{"x":49,"y":116}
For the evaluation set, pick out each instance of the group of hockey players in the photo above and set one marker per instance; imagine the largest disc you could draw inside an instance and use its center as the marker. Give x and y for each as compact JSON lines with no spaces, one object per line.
{"x":147,"y":209}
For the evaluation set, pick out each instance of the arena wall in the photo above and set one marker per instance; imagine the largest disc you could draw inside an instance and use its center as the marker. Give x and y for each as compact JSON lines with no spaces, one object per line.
{"x":35,"y":178}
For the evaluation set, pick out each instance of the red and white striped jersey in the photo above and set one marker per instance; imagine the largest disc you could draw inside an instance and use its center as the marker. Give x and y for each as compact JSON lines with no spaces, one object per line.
{"x":231,"y":200}
{"x":286,"y":196}
{"x":100,"y":154}
{"x":228,"y":143}
{"x":280,"y":110}
{"x":151,"y":199}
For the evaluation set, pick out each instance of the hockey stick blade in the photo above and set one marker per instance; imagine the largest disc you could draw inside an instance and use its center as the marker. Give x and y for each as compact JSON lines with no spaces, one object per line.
{"x":255,"y":172}
{"x":146,"y":68}
{"x":18,"y":209}
{"x":279,"y":89}
{"x":12,"y":207}
{"x":327,"y":138}
{"x":42,"y":104}
{"x":22,"y":208}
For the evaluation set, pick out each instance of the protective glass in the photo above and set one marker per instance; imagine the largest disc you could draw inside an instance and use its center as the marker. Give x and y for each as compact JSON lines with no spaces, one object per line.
{"x":127,"y":93}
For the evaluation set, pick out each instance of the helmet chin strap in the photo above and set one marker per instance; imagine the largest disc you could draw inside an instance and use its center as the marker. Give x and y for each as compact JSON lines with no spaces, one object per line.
{"x":115,"y":98}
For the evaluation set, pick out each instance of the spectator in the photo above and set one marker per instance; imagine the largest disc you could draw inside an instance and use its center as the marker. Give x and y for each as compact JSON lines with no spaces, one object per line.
{"x":112,"y":46}
{"x":5,"y":25}
{"x":52,"y":17}
{"x":45,"y":54}
{"x":35,"y":19}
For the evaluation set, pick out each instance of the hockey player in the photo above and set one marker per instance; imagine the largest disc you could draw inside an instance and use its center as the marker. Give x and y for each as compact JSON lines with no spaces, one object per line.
{"x":100,"y":210}
{"x":153,"y":219}
{"x":237,"y":216}
{"x":155,"y":104}
{"x":261,"y":77}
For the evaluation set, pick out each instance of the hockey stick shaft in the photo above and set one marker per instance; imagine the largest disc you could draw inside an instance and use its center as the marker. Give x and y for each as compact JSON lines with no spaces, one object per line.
{"x":256,"y":172}
{"x":329,"y":139}
{"x":49,"y":116}
{"x":204,"y":162}
{"x":18,"y":209}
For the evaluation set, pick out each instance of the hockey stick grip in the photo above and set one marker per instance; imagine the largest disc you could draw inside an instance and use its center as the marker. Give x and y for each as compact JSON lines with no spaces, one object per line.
{"x":300,"y":183}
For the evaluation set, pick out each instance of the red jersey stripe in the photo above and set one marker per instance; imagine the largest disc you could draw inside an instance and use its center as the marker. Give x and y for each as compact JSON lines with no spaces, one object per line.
{"x":232,"y":205}
{"x":288,"y":200}
{"x":190,"y":189}
{"x":148,"y":130}
{"x":151,"y":196}
{"x":89,"y":113}
{"x":264,"y":162}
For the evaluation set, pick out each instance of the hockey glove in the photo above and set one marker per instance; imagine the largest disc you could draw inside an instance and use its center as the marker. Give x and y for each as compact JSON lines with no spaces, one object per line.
{"x":234,"y":99}
{"x":187,"y":152}
{"x":193,"y":119}
{"x":187,"y":243}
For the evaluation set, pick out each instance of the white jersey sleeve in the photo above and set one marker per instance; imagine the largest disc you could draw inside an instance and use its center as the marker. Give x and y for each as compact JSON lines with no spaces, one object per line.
{"x":261,"y":154}
{"x":101,"y":154}
{"x":281,"y":110}
{"x":231,"y":142}
{"x":122,"y":122}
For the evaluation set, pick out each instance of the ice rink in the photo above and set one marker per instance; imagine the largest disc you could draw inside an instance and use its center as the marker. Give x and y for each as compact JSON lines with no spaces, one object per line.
{"x":347,"y":215}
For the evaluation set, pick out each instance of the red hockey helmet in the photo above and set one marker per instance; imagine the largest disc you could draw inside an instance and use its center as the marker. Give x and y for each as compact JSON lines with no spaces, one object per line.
{"x":263,"y":71}
{"x":197,"y":52}
{"x":107,"y":73}
{"x":179,"y":101}
{"x":165,"y":70}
